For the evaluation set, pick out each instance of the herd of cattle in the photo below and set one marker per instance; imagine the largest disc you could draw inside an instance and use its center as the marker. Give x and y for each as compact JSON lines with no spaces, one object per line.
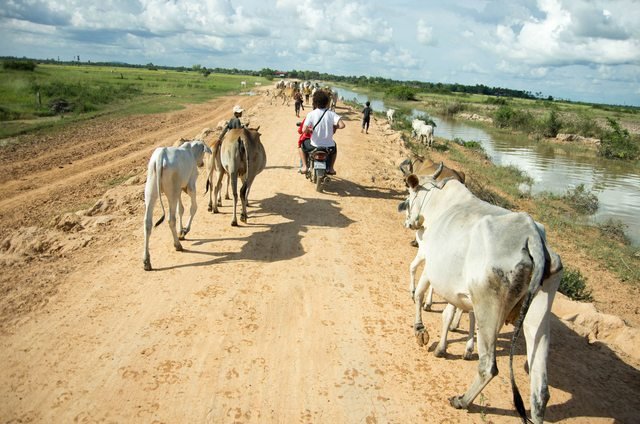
{"x":481,"y":258}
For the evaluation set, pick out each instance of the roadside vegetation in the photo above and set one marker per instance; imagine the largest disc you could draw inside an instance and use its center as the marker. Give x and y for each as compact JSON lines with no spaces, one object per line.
{"x":603,"y":127}
{"x":34,"y":96}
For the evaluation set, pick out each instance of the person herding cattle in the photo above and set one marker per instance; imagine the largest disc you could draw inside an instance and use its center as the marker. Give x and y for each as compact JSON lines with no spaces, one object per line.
{"x":234,"y":122}
{"x":321,"y":123}
{"x":297,"y":97}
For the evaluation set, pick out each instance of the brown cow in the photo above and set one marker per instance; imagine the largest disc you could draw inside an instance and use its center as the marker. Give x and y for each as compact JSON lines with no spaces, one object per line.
{"x":420,"y":166}
{"x":239,"y":154}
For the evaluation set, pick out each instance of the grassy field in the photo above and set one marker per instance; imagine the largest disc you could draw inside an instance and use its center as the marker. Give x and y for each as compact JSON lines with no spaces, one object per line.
{"x":88,"y":91}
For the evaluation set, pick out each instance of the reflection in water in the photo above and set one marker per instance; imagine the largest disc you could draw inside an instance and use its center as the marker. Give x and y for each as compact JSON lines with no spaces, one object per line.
{"x":552,"y":168}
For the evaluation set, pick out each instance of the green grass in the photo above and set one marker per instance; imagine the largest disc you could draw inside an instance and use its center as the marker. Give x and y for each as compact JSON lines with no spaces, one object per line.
{"x":98,"y":90}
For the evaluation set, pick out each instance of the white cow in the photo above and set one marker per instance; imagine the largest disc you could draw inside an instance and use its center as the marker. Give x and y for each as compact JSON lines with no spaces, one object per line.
{"x":171,"y":170}
{"x":451,"y":315}
{"x":492,"y":261}
{"x":243,"y":84}
{"x":390,"y":113}
{"x":422,"y":131}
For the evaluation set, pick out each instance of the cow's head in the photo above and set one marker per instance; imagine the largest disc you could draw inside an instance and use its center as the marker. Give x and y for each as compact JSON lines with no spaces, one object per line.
{"x":413,"y":205}
{"x":413,"y":217}
{"x":198,"y":149}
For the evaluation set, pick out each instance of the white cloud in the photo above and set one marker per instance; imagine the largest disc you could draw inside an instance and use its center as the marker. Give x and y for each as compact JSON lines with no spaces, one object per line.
{"x":560,"y":39}
{"x":425,"y":34}
{"x":553,"y":46}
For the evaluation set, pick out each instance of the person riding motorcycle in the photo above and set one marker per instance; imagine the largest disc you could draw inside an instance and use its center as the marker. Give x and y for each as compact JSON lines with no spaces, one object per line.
{"x":321,"y":124}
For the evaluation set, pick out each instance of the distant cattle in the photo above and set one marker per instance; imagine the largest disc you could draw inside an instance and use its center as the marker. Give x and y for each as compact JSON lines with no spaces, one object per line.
{"x":390,"y":113}
{"x":492,"y":261}
{"x":422,"y":131}
{"x":243,"y":84}
{"x":172,"y":170}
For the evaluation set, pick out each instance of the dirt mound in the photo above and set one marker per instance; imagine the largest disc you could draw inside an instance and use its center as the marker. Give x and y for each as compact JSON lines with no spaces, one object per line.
{"x":27,"y":244}
{"x":597,"y":327}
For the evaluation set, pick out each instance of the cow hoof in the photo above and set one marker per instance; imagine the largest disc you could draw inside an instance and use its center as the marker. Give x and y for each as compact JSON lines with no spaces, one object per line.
{"x":215,"y":210}
{"x":178,"y":247}
{"x":227,"y":197}
{"x":426,"y":307}
{"x":210,"y":208}
{"x":147,"y":265}
{"x":234,"y":223}
{"x":422,"y":335}
{"x":456,"y":402}
{"x":467,"y":355}
{"x":243,"y":218}
{"x":440,"y":352}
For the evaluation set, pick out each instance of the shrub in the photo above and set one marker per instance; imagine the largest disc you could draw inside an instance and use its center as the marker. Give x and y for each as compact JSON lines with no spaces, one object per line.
{"x":551,"y":124}
{"x":584,"y":125}
{"x":453,"y":108}
{"x":401,"y":92}
{"x":402,"y":119}
{"x":8,"y":114}
{"x":615,"y":229}
{"x":19,"y":65}
{"x":508,"y":117}
{"x":581,"y":200}
{"x":618,"y":143}
{"x":495,"y":100}
{"x":574,"y":286}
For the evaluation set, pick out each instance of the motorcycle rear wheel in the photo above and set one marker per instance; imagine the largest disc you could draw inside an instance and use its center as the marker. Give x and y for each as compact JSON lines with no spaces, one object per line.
{"x":319,"y":179}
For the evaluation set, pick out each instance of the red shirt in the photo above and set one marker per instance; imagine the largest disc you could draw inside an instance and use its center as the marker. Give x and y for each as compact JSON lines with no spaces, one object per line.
{"x":303,"y":134}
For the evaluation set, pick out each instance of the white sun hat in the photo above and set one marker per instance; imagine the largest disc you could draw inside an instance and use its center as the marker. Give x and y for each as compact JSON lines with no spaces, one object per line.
{"x":237,"y":109}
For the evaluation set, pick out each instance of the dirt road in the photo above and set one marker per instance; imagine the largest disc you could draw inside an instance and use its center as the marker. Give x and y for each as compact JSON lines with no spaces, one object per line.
{"x":301,"y":315}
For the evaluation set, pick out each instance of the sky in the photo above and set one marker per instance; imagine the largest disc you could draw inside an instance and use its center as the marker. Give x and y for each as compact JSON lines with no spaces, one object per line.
{"x":579,"y":50}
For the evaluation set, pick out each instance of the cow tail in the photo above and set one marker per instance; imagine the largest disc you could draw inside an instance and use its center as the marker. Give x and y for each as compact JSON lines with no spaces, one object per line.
{"x":212,"y":164}
{"x":245,"y":142}
{"x":163,"y":155}
{"x":536,"y":249}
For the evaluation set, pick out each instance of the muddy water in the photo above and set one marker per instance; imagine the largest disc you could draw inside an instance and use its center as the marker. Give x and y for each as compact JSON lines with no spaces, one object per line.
{"x":553,"y":169}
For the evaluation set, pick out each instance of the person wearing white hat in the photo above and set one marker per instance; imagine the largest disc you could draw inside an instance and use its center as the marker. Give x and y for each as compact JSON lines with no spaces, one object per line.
{"x":233,"y":122}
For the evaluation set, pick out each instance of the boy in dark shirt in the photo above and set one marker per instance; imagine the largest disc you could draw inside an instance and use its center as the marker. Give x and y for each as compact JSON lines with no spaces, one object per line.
{"x":366,"y":117}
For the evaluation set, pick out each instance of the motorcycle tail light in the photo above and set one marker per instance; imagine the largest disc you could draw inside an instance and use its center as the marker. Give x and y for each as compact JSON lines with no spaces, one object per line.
{"x":319,"y":156}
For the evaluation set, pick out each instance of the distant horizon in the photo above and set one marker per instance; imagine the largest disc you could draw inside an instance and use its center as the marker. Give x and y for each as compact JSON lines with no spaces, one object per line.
{"x":141,"y":65}
{"x":584,"y":51}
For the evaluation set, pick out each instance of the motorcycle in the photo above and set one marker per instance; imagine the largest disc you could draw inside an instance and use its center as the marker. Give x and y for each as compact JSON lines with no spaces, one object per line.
{"x":317,"y":170}
{"x":317,"y":160}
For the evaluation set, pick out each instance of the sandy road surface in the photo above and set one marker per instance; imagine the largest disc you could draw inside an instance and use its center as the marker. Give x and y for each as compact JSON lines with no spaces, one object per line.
{"x":301,"y":315}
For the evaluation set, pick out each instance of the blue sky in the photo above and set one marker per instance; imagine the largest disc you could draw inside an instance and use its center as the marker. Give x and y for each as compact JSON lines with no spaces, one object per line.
{"x":583,"y":50}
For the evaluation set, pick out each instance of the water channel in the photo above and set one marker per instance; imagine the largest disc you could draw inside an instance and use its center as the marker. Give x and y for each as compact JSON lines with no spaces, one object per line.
{"x":616,"y":183}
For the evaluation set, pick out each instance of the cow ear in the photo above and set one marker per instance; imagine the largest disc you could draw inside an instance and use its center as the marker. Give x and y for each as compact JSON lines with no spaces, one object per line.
{"x":406,"y":167}
{"x":403,"y":206}
{"x":413,"y":181}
